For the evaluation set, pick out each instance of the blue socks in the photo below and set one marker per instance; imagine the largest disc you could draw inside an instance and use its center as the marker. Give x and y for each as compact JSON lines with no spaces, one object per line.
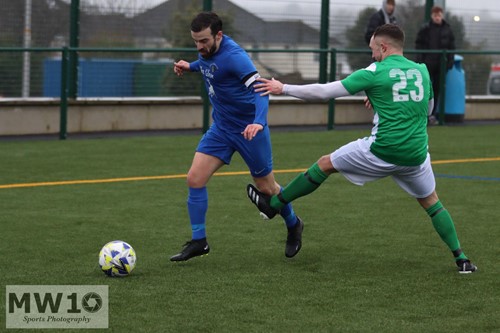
{"x":288,"y":215}
{"x":197,"y":204}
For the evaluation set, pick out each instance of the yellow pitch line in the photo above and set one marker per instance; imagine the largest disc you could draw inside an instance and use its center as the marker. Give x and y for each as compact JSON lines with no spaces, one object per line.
{"x":89,"y":181}
{"x":235,"y":173}
{"x":129,"y":179}
{"x":468,"y":160}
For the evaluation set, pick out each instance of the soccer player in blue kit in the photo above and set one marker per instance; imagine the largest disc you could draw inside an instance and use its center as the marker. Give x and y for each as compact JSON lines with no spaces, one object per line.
{"x":239,"y":125}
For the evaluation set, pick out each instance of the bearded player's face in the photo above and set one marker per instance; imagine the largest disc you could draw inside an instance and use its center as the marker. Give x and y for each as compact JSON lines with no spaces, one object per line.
{"x":206,"y":43}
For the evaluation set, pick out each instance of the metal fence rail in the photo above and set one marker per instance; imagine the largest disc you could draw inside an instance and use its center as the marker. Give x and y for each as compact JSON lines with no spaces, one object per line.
{"x":147,"y":72}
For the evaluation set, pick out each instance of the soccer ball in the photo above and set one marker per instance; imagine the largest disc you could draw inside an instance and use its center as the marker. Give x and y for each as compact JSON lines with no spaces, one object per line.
{"x":117,"y":258}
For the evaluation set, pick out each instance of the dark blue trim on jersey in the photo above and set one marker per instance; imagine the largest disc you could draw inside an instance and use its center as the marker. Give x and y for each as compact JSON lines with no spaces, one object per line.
{"x":247,"y":77}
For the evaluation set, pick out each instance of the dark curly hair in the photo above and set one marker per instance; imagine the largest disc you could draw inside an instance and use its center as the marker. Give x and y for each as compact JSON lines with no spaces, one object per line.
{"x":207,"y":19}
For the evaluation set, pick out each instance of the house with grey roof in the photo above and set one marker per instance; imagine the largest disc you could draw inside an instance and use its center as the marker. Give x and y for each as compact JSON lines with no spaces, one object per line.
{"x":252,"y":33}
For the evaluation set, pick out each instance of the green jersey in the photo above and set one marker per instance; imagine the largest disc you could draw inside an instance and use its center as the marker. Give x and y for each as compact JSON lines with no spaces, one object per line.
{"x":399,"y":91}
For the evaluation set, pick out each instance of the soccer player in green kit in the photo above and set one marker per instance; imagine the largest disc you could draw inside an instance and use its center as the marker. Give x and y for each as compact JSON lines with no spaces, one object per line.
{"x":400,"y":93}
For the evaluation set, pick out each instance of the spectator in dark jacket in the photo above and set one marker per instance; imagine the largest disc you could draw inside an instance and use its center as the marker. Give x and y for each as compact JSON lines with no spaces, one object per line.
{"x":435,"y":35}
{"x":383,"y":16}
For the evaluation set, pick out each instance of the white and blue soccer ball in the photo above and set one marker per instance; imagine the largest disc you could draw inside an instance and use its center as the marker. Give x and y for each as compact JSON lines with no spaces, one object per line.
{"x":117,"y":258}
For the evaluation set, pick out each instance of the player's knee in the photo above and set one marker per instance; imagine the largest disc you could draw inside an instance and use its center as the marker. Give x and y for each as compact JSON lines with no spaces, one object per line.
{"x":325,"y":164}
{"x":429,"y":200}
{"x":195,"y":180}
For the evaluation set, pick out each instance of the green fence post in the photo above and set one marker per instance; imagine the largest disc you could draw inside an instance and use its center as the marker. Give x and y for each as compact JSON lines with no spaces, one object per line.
{"x":207,"y":6}
{"x":428,"y":7}
{"x":331,"y":102}
{"x":323,"y":40}
{"x":63,"y":106}
{"x":74,"y":37}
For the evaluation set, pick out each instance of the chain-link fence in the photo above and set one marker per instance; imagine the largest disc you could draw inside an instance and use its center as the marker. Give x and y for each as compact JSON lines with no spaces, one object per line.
{"x":148,"y":30}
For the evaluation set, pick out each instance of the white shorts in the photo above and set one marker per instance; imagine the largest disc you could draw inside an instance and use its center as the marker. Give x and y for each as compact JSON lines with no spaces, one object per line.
{"x":357,"y":163}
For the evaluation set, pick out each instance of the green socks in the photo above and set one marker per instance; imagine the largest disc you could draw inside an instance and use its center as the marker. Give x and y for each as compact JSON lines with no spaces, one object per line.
{"x":442,"y":222}
{"x":310,"y":180}
{"x":301,"y":185}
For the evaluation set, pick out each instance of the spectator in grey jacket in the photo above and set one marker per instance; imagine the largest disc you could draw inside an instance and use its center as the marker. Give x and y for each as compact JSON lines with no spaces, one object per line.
{"x":435,"y":35}
{"x":383,"y":16}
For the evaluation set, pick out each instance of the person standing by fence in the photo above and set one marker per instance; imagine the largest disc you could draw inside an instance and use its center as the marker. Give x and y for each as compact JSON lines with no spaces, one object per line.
{"x":435,"y":35}
{"x":384,"y":16}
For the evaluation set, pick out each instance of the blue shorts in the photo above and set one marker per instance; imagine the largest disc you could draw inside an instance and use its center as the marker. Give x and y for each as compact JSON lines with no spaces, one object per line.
{"x":256,"y":153}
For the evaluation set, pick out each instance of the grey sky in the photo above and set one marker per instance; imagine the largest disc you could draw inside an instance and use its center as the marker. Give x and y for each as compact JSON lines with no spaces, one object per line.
{"x":266,"y":7}
{"x":460,"y":7}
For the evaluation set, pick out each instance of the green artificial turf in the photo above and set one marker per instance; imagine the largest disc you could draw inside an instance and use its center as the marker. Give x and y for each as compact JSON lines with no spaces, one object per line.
{"x":370,"y":262}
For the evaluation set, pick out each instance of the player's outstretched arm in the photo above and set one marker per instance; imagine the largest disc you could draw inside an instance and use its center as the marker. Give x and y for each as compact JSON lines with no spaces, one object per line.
{"x":267,"y":87}
{"x":180,"y":67}
{"x":311,"y":92}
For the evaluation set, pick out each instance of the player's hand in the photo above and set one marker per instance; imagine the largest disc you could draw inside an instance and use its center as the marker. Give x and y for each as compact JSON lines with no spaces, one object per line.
{"x":368,"y":105}
{"x":267,"y":87}
{"x":180,"y":67}
{"x":251,"y":131}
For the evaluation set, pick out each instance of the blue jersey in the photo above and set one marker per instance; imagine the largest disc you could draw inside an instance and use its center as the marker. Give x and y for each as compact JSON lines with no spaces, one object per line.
{"x":229,"y":76}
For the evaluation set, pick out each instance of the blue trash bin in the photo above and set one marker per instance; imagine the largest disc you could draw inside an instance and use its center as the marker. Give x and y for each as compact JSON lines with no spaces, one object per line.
{"x":454,"y":109}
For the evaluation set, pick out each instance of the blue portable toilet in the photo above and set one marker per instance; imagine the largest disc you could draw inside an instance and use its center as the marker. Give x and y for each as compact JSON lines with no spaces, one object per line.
{"x":106,"y":77}
{"x":454,"y":109}
{"x":96,"y":77}
{"x":52,"y":77}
